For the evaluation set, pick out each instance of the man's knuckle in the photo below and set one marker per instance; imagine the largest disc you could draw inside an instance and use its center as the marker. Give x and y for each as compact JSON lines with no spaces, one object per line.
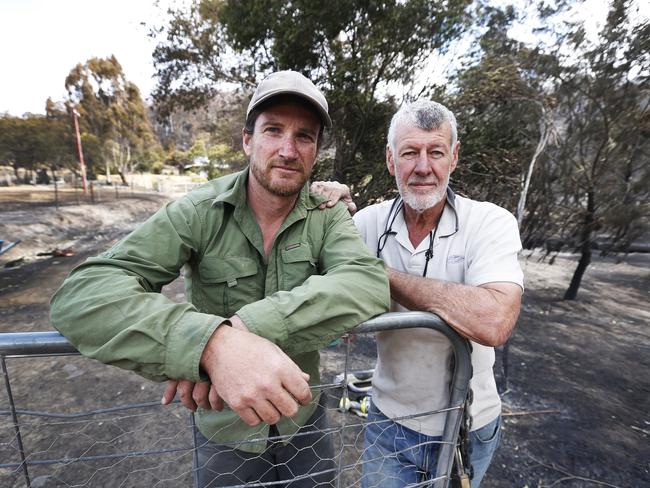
{"x":252,"y":420}
{"x":265,"y":390}
{"x":291,"y":410}
{"x":305,"y":395}
{"x":243,"y":401}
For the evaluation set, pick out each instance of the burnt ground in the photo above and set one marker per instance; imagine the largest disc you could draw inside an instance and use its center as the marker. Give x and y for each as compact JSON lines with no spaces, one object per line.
{"x":576,"y":411}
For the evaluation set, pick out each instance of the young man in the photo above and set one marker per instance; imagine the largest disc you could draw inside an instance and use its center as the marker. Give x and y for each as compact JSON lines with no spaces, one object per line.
{"x":270,"y":279}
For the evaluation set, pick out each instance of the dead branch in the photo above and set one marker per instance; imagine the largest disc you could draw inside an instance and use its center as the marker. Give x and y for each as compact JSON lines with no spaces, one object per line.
{"x":569,"y":476}
{"x":530,"y":412}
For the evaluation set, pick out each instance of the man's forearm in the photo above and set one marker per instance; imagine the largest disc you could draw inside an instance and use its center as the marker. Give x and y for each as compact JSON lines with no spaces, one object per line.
{"x":485,"y":314}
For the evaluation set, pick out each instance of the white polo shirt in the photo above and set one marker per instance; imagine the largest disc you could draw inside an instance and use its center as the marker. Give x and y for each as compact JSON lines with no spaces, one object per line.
{"x":476,"y":243}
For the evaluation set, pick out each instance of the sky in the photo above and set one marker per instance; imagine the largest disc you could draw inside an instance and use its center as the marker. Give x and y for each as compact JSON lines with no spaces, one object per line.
{"x":42,"y":40}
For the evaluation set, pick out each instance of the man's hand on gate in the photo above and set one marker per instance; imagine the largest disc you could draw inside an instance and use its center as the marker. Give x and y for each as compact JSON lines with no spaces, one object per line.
{"x":334,"y":192}
{"x":202,"y":394}
{"x":253,"y":375}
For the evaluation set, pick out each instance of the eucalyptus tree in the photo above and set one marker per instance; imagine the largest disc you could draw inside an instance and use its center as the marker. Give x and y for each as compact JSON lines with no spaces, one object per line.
{"x":116,"y":131}
{"x":565,"y":126}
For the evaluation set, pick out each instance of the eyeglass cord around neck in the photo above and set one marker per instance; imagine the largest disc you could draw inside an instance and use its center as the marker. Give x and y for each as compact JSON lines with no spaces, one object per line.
{"x":395,"y":209}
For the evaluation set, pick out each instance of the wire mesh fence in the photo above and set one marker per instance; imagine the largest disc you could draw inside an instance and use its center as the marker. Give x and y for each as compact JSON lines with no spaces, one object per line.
{"x":83,"y":430}
{"x":96,"y":192}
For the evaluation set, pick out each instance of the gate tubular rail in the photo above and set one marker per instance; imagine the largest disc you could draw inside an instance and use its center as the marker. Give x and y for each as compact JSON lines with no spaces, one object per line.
{"x":35,"y":344}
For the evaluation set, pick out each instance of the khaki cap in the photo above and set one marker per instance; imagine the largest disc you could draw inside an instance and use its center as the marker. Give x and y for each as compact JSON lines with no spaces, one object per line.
{"x":290,"y":83}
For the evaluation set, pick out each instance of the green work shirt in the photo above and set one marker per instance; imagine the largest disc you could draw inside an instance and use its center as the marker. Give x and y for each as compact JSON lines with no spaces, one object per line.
{"x":318,"y":281}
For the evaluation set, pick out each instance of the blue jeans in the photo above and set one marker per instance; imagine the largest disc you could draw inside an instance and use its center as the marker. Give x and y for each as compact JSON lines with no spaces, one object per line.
{"x":395,"y":456}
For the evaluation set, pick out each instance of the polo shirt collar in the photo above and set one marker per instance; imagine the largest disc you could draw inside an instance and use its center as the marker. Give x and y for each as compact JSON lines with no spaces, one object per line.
{"x":447,"y":226}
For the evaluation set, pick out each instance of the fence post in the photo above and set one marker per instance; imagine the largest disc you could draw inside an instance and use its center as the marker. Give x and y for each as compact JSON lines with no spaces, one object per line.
{"x":339,"y":464}
{"x":56,"y":190}
{"x":14,"y":416}
{"x":76,"y":190}
{"x":195,"y":451}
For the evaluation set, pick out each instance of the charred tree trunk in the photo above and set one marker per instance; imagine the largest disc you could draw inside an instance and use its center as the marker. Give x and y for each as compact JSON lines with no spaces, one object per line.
{"x":585,"y":249}
{"x":585,"y":259}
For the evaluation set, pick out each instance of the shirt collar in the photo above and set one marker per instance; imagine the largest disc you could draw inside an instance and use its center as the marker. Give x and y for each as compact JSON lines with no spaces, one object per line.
{"x":236,"y":194}
{"x":447,"y":226}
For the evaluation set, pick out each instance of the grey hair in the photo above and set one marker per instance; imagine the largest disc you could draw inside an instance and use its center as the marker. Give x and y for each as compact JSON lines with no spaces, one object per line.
{"x":423,"y":114}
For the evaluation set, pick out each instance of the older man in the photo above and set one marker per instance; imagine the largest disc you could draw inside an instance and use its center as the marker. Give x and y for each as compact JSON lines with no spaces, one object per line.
{"x":269,"y":280}
{"x":451,"y":256}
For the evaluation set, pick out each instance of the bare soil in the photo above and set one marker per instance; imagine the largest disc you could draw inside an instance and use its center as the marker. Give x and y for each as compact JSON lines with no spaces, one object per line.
{"x":576,"y":408}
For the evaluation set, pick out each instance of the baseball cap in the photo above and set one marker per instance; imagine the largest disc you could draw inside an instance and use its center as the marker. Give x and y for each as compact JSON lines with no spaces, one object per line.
{"x":290,"y":83}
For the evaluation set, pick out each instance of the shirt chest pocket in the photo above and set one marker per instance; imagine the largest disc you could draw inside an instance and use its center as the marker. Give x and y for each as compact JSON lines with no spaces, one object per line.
{"x":298,"y":264}
{"x":229,"y":283}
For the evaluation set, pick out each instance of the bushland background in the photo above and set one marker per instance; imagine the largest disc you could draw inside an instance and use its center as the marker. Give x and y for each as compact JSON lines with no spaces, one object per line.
{"x":554,"y":126}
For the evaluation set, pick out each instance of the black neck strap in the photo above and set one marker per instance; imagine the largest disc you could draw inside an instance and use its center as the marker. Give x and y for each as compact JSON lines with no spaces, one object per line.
{"x":395,"y":209}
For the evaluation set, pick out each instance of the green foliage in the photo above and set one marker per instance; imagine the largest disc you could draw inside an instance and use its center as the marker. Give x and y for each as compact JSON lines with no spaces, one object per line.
{"x":601,"y":165}
{"x":206,"y":154}
{"x":36,"y":141}
{"x":499,"y":103}
{"x":353,"y":50}
{"x":115,"y":128}
{"x":589,"y":107}
{"x":213,"y":132}
{"x":597,"y":175}
{"x":15,"y":146}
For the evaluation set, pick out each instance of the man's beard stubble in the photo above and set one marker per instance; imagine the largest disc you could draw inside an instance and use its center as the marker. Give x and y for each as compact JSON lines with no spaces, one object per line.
{"x":421,"y":203}
{"x":288,"y":189}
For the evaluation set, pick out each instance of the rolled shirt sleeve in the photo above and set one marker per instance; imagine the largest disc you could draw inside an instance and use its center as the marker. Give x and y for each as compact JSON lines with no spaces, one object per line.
{"x":111,"y":308}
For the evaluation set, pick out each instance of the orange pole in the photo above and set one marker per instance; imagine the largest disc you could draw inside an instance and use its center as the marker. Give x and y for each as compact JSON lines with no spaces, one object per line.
{"x":80,"y":154}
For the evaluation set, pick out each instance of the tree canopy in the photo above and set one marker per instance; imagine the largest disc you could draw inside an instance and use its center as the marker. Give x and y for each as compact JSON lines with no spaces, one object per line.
{"x":353,"y":50}
{"x":37,"y":142}
{"x":556,"y":133}
{"x":114,"y":123}
{"x":599,"y":172}
{"x":501,"y":104}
